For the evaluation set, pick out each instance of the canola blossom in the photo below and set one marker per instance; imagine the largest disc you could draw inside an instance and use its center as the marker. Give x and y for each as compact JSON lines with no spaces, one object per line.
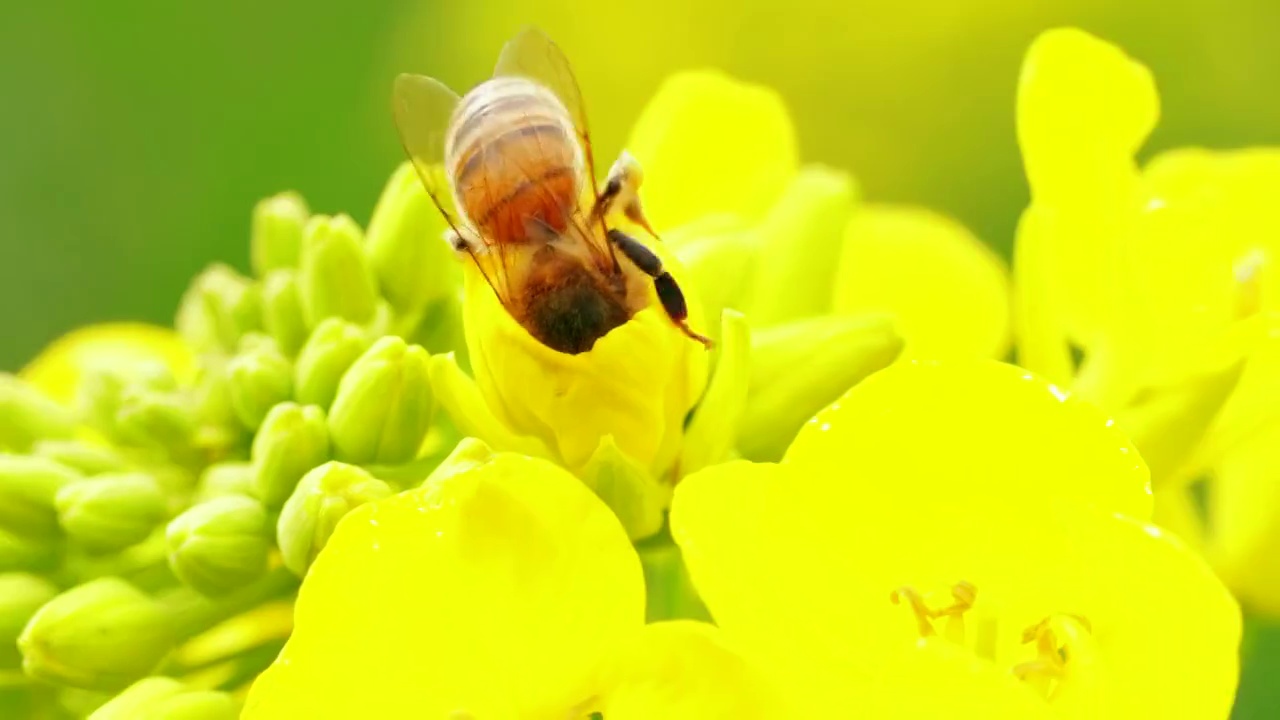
{"x":1162,"y":276}
{"x":350,"y":484}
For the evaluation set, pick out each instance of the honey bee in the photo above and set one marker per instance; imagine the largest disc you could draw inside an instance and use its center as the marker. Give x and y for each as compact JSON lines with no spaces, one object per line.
{"x":513,"y":158}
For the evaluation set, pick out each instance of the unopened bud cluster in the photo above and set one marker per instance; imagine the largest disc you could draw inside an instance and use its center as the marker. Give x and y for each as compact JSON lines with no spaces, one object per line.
{"x":158,"y":499}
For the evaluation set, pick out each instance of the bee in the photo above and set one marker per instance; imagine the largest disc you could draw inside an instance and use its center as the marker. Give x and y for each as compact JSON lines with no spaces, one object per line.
{"x":513,"y":159}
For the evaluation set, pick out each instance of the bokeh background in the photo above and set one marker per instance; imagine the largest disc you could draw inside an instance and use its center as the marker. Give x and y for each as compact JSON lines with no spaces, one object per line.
{"x":136,"y":135}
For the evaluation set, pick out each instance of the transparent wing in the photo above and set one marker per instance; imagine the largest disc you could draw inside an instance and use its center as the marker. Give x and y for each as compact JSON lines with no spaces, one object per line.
{"x":423,"y":108}
{"x":533,"y":55}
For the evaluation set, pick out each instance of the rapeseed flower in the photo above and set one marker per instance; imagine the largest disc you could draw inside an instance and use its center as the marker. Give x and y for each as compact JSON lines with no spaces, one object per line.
{"x":1161,"y":278}
{"x":962,"y":540}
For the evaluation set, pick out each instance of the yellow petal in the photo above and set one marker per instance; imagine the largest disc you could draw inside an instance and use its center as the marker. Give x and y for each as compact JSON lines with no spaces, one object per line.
{"x":948,"y":291}
{"x":495,"y":592}
{"x":1167,"y":631}
{"x":1084,"y":108}
{"x":686,"y":670}
{"x":936,"y":680}
{"x":58,"y":369}
{"x":977,"y":429}
{"x":1244,"y":519}
{"x":708,"y":144}
{"x":637,"y":383}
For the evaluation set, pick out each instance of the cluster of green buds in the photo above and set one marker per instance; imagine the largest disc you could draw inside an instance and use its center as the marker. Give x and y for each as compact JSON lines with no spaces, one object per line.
{"x":160,"y":489}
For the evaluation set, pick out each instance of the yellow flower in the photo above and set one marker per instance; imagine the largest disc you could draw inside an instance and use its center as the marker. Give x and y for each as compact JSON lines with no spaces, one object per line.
{"x":503,"y":590}
{"x":60,"y":367}
{"x":744,"y":227}
{"x":959,"y":540}
{"x":1163,"y":276}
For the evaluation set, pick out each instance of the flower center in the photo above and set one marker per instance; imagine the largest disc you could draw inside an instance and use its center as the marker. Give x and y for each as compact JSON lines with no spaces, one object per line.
{"x":1051,"y":651}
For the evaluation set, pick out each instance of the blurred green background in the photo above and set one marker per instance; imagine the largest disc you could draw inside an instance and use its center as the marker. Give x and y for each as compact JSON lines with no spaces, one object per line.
{"x":135,"y":136}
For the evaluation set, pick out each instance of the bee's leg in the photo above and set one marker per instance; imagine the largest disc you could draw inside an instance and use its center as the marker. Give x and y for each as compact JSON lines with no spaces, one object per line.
{"x":622,"y":190}
{"x":669,"y":293}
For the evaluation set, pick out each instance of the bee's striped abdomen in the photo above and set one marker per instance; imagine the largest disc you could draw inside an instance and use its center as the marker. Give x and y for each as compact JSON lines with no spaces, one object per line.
{"x":514,"y":159}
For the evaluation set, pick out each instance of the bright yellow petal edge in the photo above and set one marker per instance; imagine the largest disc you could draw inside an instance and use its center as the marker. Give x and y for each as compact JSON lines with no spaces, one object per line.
{"x":797,"y":561}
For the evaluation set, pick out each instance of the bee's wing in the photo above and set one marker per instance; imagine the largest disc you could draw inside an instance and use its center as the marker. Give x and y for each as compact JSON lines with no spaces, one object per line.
{"x":531,"y":54}
{"x":423,"y":109}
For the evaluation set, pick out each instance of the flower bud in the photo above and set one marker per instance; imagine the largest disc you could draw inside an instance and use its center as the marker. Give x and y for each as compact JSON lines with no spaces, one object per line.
{"x":800,"y":241}
{"x":22,"y":553}
{"x":384,"y":405}
{"x":111,"y":512}
{"x":220,"y":545}
{"x":637,"y":383}
{"x":293,"y":439}
{"x":162,"y":420}
{"x":225,"y":478}
{"x":282,"y":310}
{"x":412,"y":268}
{"x":468,"y":454}
{"x":219,"y":307}
{"x":28,"y":415}
{"x":276,"y":237}
{"x":21,"y":595}
{"x":219,"y":428}
{"x":335,"y":279}
{"x":799,"y":368}
{"x":333,"y":346}
{"x":101,"y":635}
{"x":258,"y":380}
{"x":162,"y":698}
{"x":712,"y":433}
{"x":322,"y":498}
{"x":28,"y":486}
{"x":630,"y":491}
{"x":720,"y":254}
{"x":88,"y":458}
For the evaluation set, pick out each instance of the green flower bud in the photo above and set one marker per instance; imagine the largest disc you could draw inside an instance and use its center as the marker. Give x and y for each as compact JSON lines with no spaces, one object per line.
{"x":101,"y":635}
{"x":28,"y":486}
{"x":162,"y":698}
{"x":225,"y":478}
{"x":258,"y":380}
{"x":276,"y":237}
{"x":711,"y":434}
{"x":335,"y":279}
{"x":799,"y":246}
{"x":322,"y":498}
{"x":220,"y":545}
{"x":21,"y":595}
{"x":293,"y":439}
{"x":282,"y":310}
{"x":87,"y":458}
{"x":22,"y":553}
{"x":332,"y":348}
{"x":413,"y":265}
{"x":719,"y":255}
{"x":111,"y":512}
{"x":162,"y":420}
{"x":219,"y":428}
{"x":103,"y":389}
{"x":28,"y":415}
{"x":219,"y":307}
{"x":799,"y":368}
{"x":384,"y":405}
{"x":634,"y":495}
